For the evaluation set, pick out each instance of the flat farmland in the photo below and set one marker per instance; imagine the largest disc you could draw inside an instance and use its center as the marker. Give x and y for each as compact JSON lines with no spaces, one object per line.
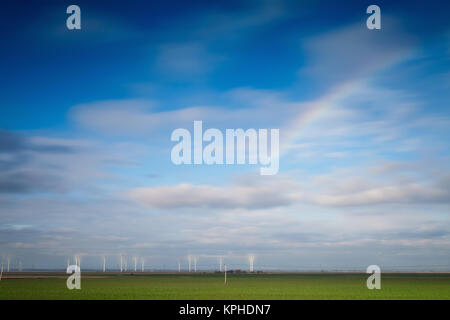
{"x":210,"y":286}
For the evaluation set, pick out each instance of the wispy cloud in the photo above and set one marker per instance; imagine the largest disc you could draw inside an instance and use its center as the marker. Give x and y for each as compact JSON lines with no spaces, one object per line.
{"x":246,"y":193}
{"x":185,"y":61}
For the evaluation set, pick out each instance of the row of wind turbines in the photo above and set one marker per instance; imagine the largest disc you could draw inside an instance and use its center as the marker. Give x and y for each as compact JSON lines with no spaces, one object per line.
{"x":192,"y":263}
{"x":8,"y":265}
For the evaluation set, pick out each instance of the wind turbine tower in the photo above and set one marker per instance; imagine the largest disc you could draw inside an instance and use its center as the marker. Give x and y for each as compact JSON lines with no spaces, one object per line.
{"x":189,"y":262}
{"x":195,"y":264}
{"x":251,"y":259}
{"x":220,"y":263}
{"x":121,"y":262}
{"x":104,"y":263}
{"x":77,"y":260}
{"x":135,"y":264}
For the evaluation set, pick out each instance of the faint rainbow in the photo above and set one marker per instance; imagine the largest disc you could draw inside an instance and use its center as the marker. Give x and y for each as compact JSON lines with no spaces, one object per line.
{"x":313,"y":111}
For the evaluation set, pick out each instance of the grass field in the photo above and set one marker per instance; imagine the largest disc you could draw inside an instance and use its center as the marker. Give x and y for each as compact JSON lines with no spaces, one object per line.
{"x":239,"y":286}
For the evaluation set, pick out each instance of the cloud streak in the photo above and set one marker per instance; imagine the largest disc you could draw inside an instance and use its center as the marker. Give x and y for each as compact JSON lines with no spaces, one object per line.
{"x":256,"y":195}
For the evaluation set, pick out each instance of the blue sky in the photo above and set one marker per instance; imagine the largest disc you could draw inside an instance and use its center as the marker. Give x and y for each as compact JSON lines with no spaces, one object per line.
{"x":86,"y":118}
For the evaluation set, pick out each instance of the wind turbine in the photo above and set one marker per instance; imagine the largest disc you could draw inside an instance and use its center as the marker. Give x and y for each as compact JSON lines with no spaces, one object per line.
{"x":142,"y":265}
{"x":251,"y":259}
{"x":220,"y":263}
{"x":195,"y":264}
{"x":9,"y":261}
{"x":135,"y":263}
{"x":78,"y":260}
{"x":179,"y":266}
{"x":104,"y":263}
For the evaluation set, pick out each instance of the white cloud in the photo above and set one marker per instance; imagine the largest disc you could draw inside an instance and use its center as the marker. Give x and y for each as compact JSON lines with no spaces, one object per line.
{"x":410,"y":193}
{"x":137,"y":118}
{"x":260,"y":193}
{"x":141,"y":118}
{"x":386,"y":182}
{"x":357,"y":52}
{"x":358,"y":186}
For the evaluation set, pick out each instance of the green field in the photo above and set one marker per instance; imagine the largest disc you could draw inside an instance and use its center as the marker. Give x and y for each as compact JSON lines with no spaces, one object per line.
{"x":239,"y":286}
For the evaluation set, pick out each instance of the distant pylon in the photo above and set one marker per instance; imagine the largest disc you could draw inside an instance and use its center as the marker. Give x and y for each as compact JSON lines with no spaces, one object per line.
{"x":225,"y":273}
